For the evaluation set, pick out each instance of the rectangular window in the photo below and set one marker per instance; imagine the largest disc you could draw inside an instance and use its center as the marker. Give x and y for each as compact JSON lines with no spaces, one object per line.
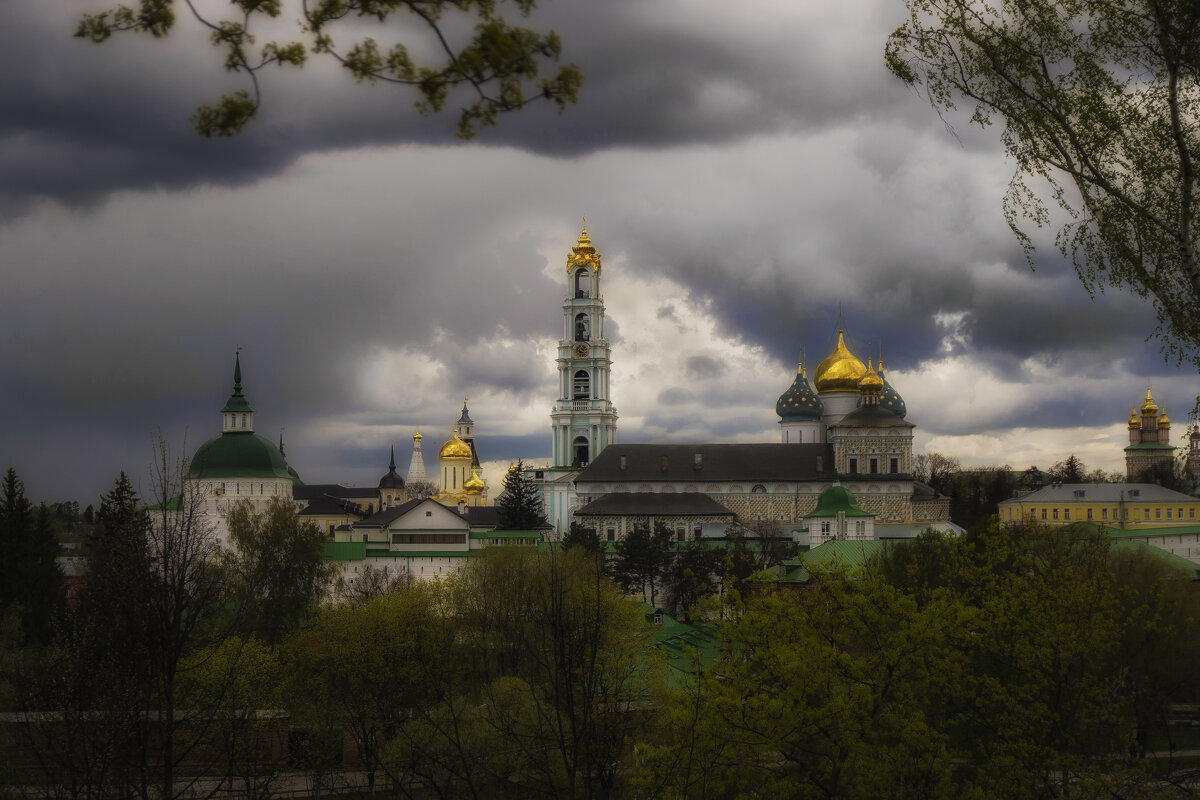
{"x":825,"y":526}
{"x":1066,"y":513}
{"x":1125,"y":515}
{"x":429,"y":538}
{"x":895,"y":466}
{"x":1168,"y":513}
{"x":1043,"y":514}
{"x":1158,"y":513}
{"x":874,"y":466}
{"x":1104,"y":513}
{"x":1145,"y":513}
{"x":1033,"y":513}
{"x":611,"y":534}
{"x":1056,"y":513}
{"x":681,"y":533}
{"x":1191,"y":513}
{"x":853,"y":466}
{"x":1089,"y":516}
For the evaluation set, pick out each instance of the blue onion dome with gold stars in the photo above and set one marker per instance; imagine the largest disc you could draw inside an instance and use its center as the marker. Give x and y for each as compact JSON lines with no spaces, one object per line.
{"x":840,"y":371}
{"x":799,"y":402}
{"x":889,"y":398}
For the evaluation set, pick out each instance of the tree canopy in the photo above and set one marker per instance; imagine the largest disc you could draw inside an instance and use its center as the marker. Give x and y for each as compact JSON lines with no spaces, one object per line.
{"x":1098,"y":100}
{"x":499,"y":66}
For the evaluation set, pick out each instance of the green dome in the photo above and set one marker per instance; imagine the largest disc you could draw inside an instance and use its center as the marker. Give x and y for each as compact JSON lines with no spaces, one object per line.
{"x":837,"y":499}
{"x":238,"y":455}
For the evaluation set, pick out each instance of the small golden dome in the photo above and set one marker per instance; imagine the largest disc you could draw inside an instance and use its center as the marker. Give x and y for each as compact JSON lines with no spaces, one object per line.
{"x":474,"y":484}
{"x":1149,"y":409}
{"x":417,"y":436}
{"x":455,"y":448}
{"x":840,"y":371}
{"x":1133,"y":419}
{"x":1164,"y":421}
{"x":583,"y":254}
{"x":871,"y":383}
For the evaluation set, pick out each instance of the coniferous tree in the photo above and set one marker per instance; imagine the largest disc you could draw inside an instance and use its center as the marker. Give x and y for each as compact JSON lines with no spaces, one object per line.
{"x":520,"y":507}
{"x":31,"y":583}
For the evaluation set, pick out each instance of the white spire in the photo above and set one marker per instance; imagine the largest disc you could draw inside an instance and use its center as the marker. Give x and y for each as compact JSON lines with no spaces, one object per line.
{"x":416,"y":467}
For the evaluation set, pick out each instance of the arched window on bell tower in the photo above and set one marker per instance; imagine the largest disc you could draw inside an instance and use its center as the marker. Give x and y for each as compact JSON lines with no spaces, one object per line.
{"x":581,"y":283}
{"x":583,"y":327}
{"x":582,"y":387}
{"x":580,"y":447}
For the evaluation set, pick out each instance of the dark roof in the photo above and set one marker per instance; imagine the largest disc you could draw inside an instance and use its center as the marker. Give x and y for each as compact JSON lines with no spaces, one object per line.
{"x":872,"y":417}
{"x":325,"y":506}
{"x":719,"y":462}
{"x":314,"y":490}
{"x":387,"y":515}
{"x":483,"y":516}
{"x":625,"y":504}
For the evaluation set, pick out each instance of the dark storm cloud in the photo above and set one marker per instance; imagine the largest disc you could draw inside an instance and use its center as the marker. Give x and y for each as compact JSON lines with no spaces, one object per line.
{"x":92,"y":119}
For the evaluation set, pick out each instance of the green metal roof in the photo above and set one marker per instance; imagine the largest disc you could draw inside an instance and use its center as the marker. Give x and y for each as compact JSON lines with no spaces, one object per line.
{"x":1178,"y":562}
{"x":837,"y":499}
{"x":238,"y":455}
{"x":345,"y":551}
{"x":1149,"y":446}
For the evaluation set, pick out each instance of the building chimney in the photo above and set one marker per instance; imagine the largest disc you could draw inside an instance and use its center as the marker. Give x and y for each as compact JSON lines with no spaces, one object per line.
{"x":698,"y":462}
{"x":624,"y":463}
{"x":820,"y":463}
{"x":663,"y":464}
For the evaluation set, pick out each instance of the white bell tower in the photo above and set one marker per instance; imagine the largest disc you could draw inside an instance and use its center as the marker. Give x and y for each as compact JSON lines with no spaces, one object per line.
{"x":583,"y":421}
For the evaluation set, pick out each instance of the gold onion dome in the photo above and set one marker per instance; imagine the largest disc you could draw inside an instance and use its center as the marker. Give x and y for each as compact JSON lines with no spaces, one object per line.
{"x":455,"y":448}
{"x":1164,"y":421}
{"x":871,"y":382}
{"x":417,"y":436}
{"x":840,"y":371}
{"x":1133,"y":419}
{"x":1149,"y":409}
{"x":474,"y":484}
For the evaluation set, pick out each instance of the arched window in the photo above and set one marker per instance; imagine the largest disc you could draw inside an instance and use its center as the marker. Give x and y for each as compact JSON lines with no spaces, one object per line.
{"x":582,"y":389}
{"x":583,"y":327}
{"x":581,"y":282}
{"x":581,"y":450}
{"x":758,"y":489}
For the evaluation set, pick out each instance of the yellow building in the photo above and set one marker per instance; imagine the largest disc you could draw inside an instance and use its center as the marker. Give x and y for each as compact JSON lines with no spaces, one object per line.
{"x":1121,"y":505}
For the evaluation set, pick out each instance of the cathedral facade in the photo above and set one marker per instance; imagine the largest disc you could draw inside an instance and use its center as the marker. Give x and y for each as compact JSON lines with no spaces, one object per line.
{"x":850,"y":430}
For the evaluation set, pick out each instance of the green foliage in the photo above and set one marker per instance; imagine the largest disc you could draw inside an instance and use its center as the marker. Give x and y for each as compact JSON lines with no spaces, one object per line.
{"x":1098,"y":101}
{"x":520,"y":506}
{"x":498,"y":68}
{"x":642,"y":560}
{"x":816,"y":694}
{"x":30,"y":579}
{"x":277,"y":569}
{"x":584,"y":538}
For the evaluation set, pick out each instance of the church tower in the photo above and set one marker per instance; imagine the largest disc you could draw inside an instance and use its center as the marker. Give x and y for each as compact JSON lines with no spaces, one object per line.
{"x":584,"y":420}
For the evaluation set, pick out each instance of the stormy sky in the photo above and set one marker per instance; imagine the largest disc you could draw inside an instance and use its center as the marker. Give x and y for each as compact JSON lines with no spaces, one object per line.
{"x":751,"y":174}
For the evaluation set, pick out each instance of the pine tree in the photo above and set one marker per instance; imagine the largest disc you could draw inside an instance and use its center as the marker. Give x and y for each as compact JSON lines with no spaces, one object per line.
{"x":30,"y":580}
{"x":520,"y":507}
